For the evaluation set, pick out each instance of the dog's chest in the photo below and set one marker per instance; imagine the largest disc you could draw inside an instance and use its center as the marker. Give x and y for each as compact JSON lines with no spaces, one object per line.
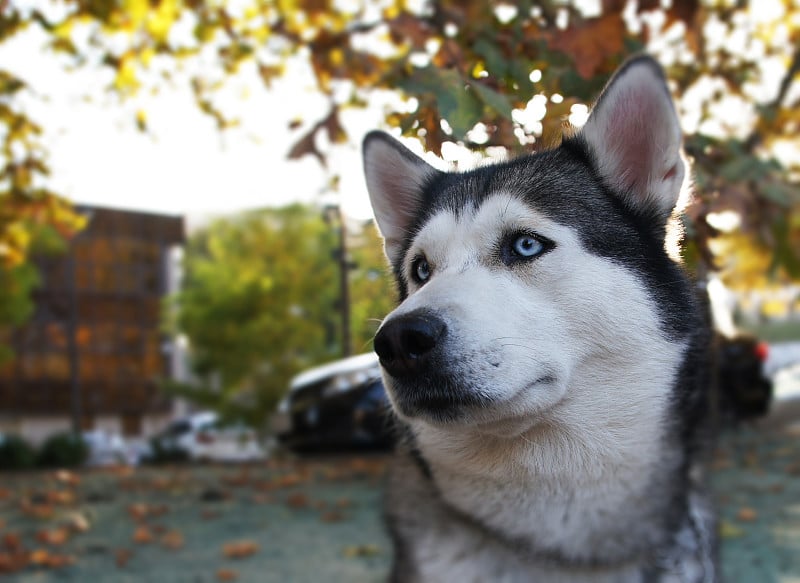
{"x":613,"y":515}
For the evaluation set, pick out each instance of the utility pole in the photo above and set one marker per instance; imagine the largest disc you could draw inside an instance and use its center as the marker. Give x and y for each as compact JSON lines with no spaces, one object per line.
{"x":344,"y":285}
{"x":333,"y":216}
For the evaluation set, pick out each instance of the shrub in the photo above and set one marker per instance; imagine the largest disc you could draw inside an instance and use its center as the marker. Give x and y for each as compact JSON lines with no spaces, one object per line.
{"x":64,"y":450}
{"x":16,"y":453}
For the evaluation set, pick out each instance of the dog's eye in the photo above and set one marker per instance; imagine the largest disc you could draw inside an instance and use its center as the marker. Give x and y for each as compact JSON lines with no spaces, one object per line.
{"x":523,"y":246}
{"x":420,"y":269}
{"x":527,"y":246}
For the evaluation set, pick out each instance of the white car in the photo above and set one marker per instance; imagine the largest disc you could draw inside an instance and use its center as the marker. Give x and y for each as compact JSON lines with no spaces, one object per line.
{"x":110,"y":449}
{"x":203,"y":437}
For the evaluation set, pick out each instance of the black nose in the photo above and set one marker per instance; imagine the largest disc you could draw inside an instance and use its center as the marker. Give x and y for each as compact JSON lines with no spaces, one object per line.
{"x":406,"y":343}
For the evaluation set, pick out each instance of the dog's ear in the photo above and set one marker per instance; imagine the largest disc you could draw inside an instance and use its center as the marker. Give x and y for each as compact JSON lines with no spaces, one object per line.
{"x":635,"y":139}
{"x":395,"y":179}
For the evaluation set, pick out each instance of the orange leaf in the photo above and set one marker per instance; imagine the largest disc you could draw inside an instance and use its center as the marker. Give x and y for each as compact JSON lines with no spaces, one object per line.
{"x":142,"y":535}
{"x":57,"y":536}
{"x":240,"y":549}
{"x":747,"y":514}
{"x":591,"y":43}
{"x":227,"y":575}
{"x":297,"y":500}
{"x":122,"y":556}
{"x":173,"y":540}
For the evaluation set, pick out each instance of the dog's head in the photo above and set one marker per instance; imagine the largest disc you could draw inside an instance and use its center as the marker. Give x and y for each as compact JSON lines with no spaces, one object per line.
{"x":528,"y":281}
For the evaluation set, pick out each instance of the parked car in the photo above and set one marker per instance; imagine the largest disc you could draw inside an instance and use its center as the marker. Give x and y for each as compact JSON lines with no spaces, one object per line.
{"x":744,"y":388}
{"x":204,"y":437}
{"x":340,"y":405}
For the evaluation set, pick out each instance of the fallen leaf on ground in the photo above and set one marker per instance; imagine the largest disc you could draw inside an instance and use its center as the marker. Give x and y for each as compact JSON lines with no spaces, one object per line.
{"x":12,"y":542}
{"x":76,"y":522}
{"x":57,"y":536}
{"x":297,"y":500}
{"x":728,"y":530}
{"x":227,"y":575}
{"x":361,"y":551}
{"x":67,"y":477}
{"x":173,"y":540}
{"x":37,"y":510}
{"x":12,"y":562}
{"x":239,"y":549}
{"x":122,"y":556}
{"x":332,"y":516}
{"x":142,"y":535}
{"x":747,"y":514}
{"x":43,"y":558}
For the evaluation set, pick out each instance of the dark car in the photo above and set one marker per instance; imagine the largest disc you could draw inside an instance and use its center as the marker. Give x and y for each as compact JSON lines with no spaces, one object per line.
{"x":743,"y":388}
{"x":337,"y":406}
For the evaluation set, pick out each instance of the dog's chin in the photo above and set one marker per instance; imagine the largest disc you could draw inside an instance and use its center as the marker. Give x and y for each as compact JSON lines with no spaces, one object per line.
{"x":471,"y":411}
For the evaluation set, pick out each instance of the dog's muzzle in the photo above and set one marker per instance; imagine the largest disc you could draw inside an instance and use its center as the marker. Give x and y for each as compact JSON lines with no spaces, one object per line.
{"x":407,"y":344}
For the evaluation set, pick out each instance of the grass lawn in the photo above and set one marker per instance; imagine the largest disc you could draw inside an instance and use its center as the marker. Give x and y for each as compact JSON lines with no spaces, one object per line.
{"x":297,"y":520}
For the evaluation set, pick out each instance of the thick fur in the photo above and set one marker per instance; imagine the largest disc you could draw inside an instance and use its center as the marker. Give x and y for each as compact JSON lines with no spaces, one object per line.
{"x":552,"y":406}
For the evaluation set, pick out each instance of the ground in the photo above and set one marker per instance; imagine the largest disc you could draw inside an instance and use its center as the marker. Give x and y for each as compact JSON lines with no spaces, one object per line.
{"x":292,"y":519}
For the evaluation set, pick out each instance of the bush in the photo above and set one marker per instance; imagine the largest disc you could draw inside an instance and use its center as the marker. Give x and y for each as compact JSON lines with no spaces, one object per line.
{"x":16,"y":453}
{"x":63,"y":450}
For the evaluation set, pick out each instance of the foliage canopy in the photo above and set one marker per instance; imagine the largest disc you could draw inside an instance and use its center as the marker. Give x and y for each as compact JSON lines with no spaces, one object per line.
{"x":482,"y":74}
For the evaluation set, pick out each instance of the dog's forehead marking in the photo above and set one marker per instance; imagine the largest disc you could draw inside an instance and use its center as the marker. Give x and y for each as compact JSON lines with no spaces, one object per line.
{"x":456,"y":240}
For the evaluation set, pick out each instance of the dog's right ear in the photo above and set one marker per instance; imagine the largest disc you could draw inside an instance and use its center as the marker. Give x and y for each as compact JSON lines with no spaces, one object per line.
{"x":396,"y":179}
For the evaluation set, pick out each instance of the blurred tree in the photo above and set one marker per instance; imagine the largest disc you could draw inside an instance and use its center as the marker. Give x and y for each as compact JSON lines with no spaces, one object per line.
{"x":471,"y":69}
{"x":257,"y":304}
{"x":486,"y":75}
{"x":32,"y":218}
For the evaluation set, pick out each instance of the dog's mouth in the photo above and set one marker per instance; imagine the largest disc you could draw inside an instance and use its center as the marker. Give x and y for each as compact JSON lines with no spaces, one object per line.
{"x":437,"y":398}
{"x":443,"y":400}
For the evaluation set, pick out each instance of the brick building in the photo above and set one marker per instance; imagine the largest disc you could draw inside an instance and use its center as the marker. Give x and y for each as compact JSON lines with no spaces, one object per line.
{"x":94,"y":350}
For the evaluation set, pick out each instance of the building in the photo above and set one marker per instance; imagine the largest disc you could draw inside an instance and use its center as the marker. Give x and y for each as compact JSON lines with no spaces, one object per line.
{"x":94,"y":351}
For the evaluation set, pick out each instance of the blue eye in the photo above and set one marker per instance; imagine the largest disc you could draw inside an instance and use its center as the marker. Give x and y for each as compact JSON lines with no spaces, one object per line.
{"x":523,"y":246}
{"x":420,"y":269}
{"x":527,"y":246}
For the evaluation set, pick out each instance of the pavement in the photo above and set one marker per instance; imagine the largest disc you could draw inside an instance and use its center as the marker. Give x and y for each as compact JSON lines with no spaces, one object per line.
{"x":757,"y":482}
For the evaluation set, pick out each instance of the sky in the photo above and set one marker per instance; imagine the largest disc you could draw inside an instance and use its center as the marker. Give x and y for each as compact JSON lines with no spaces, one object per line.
{"x":183,"y":164}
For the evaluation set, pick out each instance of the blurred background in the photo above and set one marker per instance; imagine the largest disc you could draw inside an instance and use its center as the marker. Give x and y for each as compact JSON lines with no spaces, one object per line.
{"x":190,"y":277}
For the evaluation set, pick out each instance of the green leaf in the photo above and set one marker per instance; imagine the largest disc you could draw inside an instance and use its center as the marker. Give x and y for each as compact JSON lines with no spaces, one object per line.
{"x":459,"y":106}
{"x":496,"y":62}
{"x":495,"y":100}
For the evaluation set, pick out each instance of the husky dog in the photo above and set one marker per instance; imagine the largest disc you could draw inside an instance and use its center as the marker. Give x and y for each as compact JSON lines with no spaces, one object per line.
{"x":545,"y":364}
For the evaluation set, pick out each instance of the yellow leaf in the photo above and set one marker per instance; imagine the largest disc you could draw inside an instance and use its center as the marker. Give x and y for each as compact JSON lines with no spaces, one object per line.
{"x":728,"y":530}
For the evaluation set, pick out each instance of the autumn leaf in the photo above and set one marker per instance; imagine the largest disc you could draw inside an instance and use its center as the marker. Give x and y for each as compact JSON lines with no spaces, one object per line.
{"x":589,"y":44}
{"x":122,"y":557}
{"x":142,"y":535}
{"x":747,"y":514}
{"x":239,"y":549}
{"x":332,"y":516}
{"x":172,"y":540}
{"x":54,"y":537}
{"x":227,"y":575}
{"x":297,"y":500}
{"x":368,"y":550}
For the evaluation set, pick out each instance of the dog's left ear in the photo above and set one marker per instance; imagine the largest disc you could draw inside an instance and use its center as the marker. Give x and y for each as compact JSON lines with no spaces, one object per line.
{"x":635,"y":139}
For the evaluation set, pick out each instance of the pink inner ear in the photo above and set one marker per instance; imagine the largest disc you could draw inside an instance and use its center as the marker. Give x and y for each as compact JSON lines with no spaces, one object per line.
{"x":633,"y":127}
{"x":671,"y":173}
